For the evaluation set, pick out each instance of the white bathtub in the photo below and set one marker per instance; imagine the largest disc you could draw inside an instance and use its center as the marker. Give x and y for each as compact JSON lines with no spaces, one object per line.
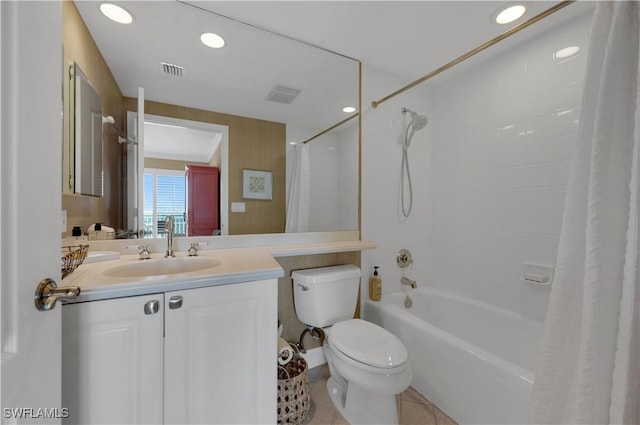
{"x":473,"y":360}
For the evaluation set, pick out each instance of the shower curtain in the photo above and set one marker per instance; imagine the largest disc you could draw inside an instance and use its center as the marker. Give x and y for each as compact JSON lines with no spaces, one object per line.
{"x":299,"y":191}
{"x":588,"y":369}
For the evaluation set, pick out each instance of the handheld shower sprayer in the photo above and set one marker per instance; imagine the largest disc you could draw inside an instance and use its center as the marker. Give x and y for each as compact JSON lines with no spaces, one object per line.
{"x":418,"y":122}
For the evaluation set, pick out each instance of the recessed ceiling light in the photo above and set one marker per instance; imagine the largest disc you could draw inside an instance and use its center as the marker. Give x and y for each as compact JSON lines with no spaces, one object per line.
{"x":116,"y":13}
{"x":348,"y":109}
{"x":566,"y":52}
{"x":212,"y":40}
{"x":509,"y":13}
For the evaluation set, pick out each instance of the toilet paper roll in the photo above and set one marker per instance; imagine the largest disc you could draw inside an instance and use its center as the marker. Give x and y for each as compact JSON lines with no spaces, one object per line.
{"x":285,"y":352}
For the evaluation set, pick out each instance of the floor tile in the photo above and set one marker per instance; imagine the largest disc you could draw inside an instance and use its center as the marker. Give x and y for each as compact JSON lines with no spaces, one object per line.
{"x":442,"y":419}
{"x":319,"y":393}
{"x":413,"y":396}
{"x":338,"y":419}
{"x":417,"y":413}
{"x":319,"y":414}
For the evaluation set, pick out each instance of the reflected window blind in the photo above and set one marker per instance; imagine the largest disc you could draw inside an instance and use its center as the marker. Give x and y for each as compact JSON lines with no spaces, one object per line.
{"x":164,"y":194}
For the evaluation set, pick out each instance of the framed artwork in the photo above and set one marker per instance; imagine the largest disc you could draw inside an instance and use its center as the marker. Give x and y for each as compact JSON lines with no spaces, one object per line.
{"x":256,"y":184}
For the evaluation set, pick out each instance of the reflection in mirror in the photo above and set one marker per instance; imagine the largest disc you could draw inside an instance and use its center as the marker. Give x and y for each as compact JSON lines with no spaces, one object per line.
{"x":183,"y":179}
{"x":240,"y":86}
{"x":83,"y":171}
{"x":331,"y":189}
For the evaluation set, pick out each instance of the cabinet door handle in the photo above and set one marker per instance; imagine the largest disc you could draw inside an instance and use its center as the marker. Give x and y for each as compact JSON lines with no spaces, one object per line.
{"x":175,"y":302}
{"x":152,"y":307}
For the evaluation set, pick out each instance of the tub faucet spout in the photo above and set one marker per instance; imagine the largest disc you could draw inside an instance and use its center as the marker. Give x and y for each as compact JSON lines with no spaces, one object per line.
{"x":408,"y":282}
{"x":168,"y":227}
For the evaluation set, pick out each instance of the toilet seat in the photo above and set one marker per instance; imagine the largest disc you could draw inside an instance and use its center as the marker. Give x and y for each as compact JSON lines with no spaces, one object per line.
{"x":368,"y":345}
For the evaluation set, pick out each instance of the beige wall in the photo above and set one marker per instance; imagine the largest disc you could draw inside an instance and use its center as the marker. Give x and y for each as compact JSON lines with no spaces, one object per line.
{"x":292,"y":327}
{"x":253,"y":144}
{"x":80,"y":47}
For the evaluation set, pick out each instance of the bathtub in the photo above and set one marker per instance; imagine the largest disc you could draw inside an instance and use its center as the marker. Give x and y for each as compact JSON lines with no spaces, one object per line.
{"x":472,"y":360}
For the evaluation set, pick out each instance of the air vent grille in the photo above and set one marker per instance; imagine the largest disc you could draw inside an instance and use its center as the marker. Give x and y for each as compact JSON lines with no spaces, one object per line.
{"x":282,"y":94}
{"x":173,"y":70}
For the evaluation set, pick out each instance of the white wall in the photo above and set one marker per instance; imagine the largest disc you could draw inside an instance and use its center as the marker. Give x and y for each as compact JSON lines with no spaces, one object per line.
{"x":334,"y":177}
{"x":382,"y":219}
{"x":489,"y":175}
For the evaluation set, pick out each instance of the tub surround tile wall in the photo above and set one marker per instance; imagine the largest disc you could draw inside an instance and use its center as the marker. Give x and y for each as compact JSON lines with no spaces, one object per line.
{"x":503,"y":137}
{"x":489,"y":172}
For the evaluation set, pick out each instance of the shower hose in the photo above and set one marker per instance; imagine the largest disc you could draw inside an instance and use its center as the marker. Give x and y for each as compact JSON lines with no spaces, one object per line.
{"x":406,"y":211}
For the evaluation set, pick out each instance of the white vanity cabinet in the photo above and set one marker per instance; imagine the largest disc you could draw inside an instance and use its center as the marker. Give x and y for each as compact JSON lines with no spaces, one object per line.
{"x":220,"y":351}
{"x":112,"y":361}
{"x":207,"y":356}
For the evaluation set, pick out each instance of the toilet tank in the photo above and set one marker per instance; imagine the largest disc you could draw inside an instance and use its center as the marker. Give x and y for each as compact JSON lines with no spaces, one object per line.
{"x":326,"y":295}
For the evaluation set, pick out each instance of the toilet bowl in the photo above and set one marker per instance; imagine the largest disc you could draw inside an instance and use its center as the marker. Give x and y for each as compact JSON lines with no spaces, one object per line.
{"x":368,"y":367}
{"x":368,"y":364}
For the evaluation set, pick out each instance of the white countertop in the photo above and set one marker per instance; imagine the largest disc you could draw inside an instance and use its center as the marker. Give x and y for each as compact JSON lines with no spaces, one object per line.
{"x":236,"y":265}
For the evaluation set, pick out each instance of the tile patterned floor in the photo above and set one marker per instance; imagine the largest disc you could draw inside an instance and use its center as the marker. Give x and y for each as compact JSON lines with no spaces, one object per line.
{"x":413,"y":409}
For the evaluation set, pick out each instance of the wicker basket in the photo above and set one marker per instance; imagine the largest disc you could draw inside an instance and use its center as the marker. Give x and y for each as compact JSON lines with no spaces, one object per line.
{"x":72,"y":257}
{"x":294,"y":400}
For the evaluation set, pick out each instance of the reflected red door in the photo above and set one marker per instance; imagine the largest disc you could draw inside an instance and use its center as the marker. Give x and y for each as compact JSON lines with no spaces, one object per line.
{"x":203,"y":200}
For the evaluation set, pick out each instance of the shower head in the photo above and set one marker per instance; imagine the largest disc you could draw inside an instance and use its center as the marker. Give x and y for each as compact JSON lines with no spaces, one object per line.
{"x":418,"y":122}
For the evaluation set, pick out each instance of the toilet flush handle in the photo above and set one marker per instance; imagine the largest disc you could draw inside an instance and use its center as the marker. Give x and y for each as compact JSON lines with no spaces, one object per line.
{"x":304,"y":288}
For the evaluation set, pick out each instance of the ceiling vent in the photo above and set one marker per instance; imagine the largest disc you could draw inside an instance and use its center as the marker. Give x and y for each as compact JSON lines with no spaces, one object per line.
{"x":173,"y":70}
{"x":282,"y":94}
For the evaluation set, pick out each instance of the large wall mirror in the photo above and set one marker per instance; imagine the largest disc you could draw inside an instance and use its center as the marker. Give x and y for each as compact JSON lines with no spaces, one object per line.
{"x":264,"y":92}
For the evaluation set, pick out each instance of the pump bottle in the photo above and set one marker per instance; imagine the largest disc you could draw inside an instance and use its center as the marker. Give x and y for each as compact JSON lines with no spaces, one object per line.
{"x":375,"y":286}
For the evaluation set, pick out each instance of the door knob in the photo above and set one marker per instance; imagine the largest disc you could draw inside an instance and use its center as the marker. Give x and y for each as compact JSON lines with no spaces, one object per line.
{"x":47,"y":293}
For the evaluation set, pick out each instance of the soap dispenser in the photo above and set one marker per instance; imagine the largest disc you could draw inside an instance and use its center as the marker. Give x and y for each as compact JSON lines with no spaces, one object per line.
{"x":375,"y":286}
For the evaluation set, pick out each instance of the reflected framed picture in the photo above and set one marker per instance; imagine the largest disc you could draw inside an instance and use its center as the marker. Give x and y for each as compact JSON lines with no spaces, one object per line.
{"x":256,"y":184}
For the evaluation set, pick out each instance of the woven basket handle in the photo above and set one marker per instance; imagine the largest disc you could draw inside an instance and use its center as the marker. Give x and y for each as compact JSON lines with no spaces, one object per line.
{"x":285,"y":371}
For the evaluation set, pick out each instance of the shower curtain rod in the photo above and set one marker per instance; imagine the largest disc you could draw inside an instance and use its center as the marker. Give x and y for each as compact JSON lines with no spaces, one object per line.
{"x":349,"y":118}
{"x":553,"y":9}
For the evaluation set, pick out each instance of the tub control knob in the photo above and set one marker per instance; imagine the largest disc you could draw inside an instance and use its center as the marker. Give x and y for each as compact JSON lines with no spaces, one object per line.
{"x":404,"y":258}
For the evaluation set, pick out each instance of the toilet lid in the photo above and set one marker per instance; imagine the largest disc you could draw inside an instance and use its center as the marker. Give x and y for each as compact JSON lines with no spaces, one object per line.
{"x":368,"y":343}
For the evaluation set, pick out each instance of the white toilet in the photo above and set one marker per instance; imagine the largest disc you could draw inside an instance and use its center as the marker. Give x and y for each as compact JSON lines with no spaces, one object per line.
{"x":368,"y":364}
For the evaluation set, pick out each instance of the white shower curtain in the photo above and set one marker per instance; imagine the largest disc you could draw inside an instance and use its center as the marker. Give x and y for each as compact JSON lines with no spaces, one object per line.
{"x":588,"y":369}
{"x":299,"y":191}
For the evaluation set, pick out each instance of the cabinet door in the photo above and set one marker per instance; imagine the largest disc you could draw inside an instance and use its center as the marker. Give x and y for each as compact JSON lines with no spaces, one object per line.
{"x":112,"y":353}
{"x":220,"y":354}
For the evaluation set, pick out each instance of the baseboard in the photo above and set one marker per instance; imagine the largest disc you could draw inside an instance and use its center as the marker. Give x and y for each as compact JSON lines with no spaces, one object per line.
{"x":314,"y":357}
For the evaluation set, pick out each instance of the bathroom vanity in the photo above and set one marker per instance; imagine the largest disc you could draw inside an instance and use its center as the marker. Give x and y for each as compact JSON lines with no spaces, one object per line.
{"x":182,"y":347}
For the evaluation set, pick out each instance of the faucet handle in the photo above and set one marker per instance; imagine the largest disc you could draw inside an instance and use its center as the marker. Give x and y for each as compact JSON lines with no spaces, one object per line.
{"x":144,"y":252}
{"x":193,"y":251}
{"x":169,"y":222}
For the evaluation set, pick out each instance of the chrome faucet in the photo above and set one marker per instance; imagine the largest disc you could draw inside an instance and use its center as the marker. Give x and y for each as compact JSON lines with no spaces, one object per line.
{"x":408,"y":282}
{"x":168,"y":227}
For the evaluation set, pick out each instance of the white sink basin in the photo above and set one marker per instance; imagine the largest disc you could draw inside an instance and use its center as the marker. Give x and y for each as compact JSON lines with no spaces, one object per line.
{"x":159,"y":267}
